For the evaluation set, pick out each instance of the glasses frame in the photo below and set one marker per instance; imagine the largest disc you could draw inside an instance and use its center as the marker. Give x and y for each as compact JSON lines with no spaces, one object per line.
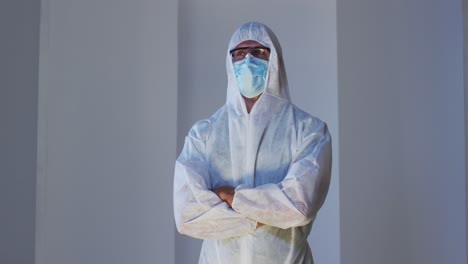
{"x":249,"y":49}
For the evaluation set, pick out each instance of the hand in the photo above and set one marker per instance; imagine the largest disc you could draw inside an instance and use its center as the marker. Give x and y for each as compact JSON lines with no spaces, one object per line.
{"x":225,"y":193}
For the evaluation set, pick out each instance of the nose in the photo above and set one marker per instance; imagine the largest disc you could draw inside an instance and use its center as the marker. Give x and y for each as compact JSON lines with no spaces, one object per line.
{"x":248,"y":57}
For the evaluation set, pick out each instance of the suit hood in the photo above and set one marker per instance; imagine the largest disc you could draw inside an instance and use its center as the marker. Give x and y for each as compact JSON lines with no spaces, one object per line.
{"x":277,"y":84}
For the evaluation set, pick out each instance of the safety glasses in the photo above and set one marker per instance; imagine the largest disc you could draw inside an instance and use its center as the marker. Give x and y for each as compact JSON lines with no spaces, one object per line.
{"x":258,"y":52}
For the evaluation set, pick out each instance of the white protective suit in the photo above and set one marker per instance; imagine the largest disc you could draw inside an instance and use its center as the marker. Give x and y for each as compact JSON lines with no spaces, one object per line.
{"x":279,"y":159}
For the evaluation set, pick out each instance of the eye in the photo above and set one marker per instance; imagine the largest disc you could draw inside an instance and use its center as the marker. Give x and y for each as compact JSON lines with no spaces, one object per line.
{"x":261,"y":53}
{"x":239,"y":53}
{"x":257,"y":52}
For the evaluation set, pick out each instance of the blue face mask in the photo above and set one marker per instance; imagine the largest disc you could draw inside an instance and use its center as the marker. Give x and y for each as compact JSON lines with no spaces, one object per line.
{"x":251,"y":75}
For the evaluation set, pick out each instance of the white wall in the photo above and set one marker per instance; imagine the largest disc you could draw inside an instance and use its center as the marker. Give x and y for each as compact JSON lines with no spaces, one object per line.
{"x":107,"y":131}
{"x":307,"y":33}
{"x":19,"y":55}
{"x":402,"y":174}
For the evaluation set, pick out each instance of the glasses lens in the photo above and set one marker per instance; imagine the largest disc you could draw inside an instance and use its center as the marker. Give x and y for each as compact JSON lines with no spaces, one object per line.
{"x":261,"y":53}
{"x":239,"y":54}
{"x":258,"y":52}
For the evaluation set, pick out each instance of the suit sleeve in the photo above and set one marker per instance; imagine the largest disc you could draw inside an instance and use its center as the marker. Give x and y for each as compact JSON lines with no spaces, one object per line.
{"x":198,"y":211}
{"x":296,"y":199}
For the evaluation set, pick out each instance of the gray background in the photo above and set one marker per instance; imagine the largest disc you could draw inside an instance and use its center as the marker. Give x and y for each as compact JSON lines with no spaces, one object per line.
{"x":401,"y":112}
{"x":19,"y":55}
{"x":97,"y":96}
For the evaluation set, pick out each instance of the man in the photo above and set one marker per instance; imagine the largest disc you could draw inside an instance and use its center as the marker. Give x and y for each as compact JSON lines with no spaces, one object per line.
{"x":252,"y":177}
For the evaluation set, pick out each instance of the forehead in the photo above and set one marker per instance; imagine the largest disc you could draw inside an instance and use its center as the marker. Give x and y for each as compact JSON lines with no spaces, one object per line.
{"x":248,"y":43}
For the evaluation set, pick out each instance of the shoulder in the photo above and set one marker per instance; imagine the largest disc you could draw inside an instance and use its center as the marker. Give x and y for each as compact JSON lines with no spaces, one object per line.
{"x":202,"y":129}
{"x":308,"y":125}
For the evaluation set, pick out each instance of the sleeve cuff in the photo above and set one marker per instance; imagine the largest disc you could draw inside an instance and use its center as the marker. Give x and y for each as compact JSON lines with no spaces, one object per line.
{"x":237,"y":195}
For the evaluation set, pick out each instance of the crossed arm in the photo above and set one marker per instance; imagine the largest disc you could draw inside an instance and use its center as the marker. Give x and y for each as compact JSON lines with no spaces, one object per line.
{"x":226,"y":211}
{"x":226,"y":194}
